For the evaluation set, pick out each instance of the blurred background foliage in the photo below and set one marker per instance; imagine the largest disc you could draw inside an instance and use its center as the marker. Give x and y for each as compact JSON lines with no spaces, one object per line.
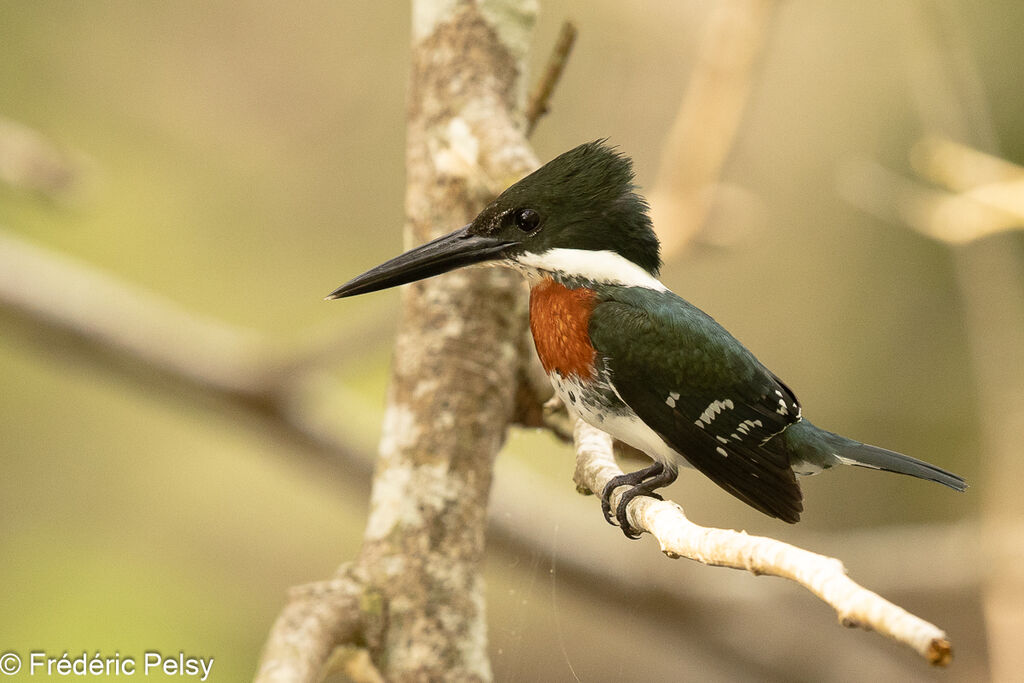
{"x":241,"y":160}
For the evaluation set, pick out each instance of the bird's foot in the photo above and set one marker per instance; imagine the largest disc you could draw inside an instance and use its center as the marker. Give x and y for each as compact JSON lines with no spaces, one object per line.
{"x":641,"y":483}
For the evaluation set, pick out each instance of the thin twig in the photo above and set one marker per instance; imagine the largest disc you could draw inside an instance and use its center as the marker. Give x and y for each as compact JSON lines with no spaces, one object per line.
{"x":538,"y":104}
{"x":824,"y":576}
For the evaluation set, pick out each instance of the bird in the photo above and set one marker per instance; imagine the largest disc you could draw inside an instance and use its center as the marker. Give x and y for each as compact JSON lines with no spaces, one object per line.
{"x":630,"y":357}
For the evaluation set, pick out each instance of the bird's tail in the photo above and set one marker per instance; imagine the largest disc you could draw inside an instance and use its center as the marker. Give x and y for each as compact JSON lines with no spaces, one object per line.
{"x":823,"y":449}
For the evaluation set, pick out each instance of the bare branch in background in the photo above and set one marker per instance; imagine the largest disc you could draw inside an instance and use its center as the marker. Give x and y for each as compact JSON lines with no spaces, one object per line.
{"x":985,"y":199}
{"x":538,"y":104}
{"x":937,"y":214}
{"x":94,"y":307}
{"x":985,"y":179}
{"x":30,"y":162}
{"x":823,"y":576}
{"x":982,"y":195}
{"x":961,"y":168}
{"x":709,"y":116}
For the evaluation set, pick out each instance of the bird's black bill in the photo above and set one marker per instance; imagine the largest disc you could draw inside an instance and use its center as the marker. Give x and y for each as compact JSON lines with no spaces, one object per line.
{"x":454,"y":250}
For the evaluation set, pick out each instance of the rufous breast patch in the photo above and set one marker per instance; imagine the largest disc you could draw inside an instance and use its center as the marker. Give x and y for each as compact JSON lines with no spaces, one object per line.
{"x":559,"y":321}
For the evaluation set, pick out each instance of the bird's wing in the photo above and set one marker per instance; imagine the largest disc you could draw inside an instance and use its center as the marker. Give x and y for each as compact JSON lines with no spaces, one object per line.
{"x":702,"y":392}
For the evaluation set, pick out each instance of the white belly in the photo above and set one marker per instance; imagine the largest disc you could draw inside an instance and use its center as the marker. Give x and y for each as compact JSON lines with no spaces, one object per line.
{"x":623,"y":425}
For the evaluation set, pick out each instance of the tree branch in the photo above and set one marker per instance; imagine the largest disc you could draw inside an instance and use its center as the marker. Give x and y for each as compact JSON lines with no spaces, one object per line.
{"x":314,"y":620}
{"x":823,"y":576}
{"x":457,"y":361}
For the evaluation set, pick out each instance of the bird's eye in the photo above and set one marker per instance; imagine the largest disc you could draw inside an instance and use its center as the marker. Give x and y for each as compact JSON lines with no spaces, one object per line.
{"x":527,"y":220}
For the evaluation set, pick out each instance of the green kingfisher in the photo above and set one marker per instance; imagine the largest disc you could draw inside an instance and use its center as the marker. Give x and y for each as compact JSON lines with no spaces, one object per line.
{"x":630,"y":357}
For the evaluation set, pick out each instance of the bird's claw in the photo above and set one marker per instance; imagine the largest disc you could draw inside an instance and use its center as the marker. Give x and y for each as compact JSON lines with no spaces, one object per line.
{"x":621,"y":516}
{"x":641,"y":483}
{"x":606,"y":501}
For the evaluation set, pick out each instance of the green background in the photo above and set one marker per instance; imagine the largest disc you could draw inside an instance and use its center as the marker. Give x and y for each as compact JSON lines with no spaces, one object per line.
{"x":243,"y":159}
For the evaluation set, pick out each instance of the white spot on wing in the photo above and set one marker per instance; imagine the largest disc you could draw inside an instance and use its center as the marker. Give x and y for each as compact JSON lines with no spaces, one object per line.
{"x":722,"y":452}
{"x":712,"y":411}
{"x":782,"y":410}
{"x":745,"y":428}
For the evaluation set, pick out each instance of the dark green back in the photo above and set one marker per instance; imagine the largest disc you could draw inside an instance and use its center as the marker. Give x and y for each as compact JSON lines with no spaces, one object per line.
{"x":656,"y":346}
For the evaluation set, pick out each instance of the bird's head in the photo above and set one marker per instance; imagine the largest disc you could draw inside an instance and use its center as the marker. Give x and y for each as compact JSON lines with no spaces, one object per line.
{"x":576,"y":215}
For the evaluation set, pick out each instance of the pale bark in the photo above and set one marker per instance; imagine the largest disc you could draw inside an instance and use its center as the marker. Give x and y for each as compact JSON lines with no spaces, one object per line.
{"x":823,"y":576}
{"x":457,"y":361}
{"x":314,"y":622}
{"x":456,"y":355}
